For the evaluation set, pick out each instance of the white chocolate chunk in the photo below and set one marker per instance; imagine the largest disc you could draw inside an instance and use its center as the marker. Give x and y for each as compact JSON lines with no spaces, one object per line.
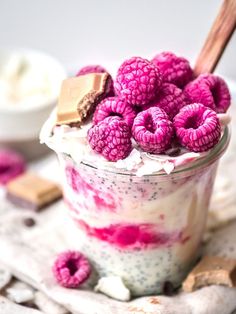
{"x":113,"y":287}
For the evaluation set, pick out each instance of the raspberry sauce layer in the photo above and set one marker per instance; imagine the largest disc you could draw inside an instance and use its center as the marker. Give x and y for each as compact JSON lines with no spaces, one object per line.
{"x":103,"y":200}
{"x":133,"y":236}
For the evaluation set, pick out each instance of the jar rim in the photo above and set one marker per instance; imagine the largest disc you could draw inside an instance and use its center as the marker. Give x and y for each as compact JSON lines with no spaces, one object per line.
{"x":207,"y":160}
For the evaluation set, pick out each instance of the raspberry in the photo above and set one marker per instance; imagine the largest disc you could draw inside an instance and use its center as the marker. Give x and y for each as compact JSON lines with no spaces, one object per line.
{"x":171,"y":99}
{"x":175,"y":70}
{"x":138,"y":81}
{"x":91,"y":69}
{"x":209,"y":90}
{"x":114,"y":106}
{"x":11,"y":165}
{"x":71,"y":269}
{"x":152,"y":130}
{"x":197,"y":127}
{"x":111,"y":137}
{"x":98,"y":69}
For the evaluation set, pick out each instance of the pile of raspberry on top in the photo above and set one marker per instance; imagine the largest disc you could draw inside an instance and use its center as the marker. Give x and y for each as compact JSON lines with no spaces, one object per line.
{"x":158,"y":112}
{"x":158,"y":104}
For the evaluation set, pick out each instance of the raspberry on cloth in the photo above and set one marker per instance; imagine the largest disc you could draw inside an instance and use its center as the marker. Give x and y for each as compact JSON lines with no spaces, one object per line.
{"x":71,"y":269}
{"x":12,"y":165}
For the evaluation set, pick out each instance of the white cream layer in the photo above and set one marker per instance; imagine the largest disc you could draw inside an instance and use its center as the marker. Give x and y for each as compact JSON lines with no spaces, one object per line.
{"x":72,"y":141}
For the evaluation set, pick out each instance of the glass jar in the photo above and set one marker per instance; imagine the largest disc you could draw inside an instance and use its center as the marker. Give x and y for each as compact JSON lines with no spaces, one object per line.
{"x":147,"y":230}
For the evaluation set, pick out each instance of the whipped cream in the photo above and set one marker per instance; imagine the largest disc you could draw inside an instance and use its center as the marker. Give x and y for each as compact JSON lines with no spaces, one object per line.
{"x":73,"y":141}
{"x":24,"y":82}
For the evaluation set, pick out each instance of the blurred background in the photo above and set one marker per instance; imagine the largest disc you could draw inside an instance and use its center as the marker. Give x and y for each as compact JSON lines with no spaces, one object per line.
{"x":78,"y":32}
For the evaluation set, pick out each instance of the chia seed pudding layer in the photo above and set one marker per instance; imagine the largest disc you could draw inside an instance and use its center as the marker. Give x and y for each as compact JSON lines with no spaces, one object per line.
{"x":147,"y":230}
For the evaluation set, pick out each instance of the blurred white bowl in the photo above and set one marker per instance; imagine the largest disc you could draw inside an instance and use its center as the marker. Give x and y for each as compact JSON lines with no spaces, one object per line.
{"x":21,"y":123}
{"x":24,"y":122}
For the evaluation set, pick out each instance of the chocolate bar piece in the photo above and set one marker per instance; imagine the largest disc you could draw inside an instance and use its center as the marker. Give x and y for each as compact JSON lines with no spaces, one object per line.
{"x":211,"y":270}
{"x":79,"y":97}
{"x":33,"y":192}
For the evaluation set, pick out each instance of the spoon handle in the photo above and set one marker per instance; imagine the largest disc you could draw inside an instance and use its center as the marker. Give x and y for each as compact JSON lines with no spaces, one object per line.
{"x":217,"y":39}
